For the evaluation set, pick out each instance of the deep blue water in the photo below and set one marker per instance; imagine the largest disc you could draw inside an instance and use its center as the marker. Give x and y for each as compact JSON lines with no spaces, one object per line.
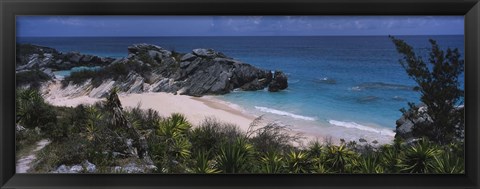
{"x":353,"y":81}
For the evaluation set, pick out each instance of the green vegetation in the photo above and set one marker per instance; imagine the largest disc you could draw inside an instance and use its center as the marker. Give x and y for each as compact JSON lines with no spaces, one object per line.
{"x":107,"y":135}
{"x":34,"y":78}
{"x":440,"y":91}
{"x":176,"y":146}
{"x":117,"y":72}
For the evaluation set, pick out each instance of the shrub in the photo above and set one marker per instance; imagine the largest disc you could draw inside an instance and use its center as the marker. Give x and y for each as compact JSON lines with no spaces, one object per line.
{"x":440,"y":91}
{"x":272,"y":162}
{"x":419,"y":158}
{"x":32,"y":111}
{"x":235,"y":157}
{"x":203,"y":164}
{"x":272,"y":137}
{"x":211,"y":134}
{"x":33,"y":78}
{"x":297,"y":162}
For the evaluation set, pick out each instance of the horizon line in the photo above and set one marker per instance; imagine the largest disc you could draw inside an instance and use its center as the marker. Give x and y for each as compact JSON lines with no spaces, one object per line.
{"x":259,"y":35}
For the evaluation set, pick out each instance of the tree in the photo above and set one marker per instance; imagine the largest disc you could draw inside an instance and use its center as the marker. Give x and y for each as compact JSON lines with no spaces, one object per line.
{"x":441,"y":121}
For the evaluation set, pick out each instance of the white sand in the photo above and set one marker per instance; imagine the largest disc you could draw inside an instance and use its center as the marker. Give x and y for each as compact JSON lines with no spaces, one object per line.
{"x":196,"y":109}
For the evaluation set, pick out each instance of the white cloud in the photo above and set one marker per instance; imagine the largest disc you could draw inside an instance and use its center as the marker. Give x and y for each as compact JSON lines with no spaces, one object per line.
{"x":66,"y":21}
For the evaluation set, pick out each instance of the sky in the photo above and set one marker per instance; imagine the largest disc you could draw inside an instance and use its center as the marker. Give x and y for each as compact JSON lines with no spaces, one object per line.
{"x":63,"y":26}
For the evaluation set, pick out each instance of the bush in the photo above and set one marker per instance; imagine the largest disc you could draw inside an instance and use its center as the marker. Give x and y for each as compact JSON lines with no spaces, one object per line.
{"x":441,"y":93}
{"x":117,"y":71}
{"x":210,"y":135}
{"x":68,"y":152}
{"x":271,"y":137}
{"x":32,"y":111}
{"x":80,"y":77}
{"x":33,"y":78}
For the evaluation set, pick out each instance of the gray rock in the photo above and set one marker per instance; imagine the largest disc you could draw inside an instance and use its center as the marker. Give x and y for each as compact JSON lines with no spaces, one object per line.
{"x":76,"y":169}
{"x":133,"y":168}
{"x":279,"y":82}
{"x":188,"y":57}
{"x":90,"y":167}
{"x":69,"y":169}
{"x":404,"y":126}
{"x":73,"y":57}
{"x":201,"y":72}
{"x":49,"y":72}
{"x":19,"y":128}
{"x":62,"y":169}
{"x":87,"y":58}
{"x":207,"y":53}
{"x":144,"y":48}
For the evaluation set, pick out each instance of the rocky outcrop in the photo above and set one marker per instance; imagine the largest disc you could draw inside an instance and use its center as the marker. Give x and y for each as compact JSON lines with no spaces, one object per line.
{"x":150,"y":68}
{"x":136,"y":144}
{"x":85,"y":167}
{"x":31,"y":57}
{"x":404,"y":126}
{"x":279,"y":82}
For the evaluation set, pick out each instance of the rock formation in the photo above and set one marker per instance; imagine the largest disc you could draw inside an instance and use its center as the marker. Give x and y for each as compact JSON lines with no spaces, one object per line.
{"x":150,"y":68}
{"x":279,"y":82}
{"x":404,"y":126}
{"x":45,"y":58}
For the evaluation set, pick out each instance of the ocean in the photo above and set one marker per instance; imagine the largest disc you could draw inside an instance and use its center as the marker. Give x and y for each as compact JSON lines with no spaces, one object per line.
{"x":348,"y":86}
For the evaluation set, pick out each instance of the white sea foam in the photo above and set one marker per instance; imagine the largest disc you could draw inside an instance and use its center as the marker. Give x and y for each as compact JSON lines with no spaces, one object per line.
{"x":356,"y":88}
{"x":354,"y":125}
{"x":283,"y":113}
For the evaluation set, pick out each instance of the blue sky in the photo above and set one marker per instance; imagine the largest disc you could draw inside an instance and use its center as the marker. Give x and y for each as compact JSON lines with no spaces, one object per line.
{"x":56,"y":26}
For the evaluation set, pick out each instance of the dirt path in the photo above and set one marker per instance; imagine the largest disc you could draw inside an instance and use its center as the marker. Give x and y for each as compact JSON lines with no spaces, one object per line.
{"x":23,"y":164}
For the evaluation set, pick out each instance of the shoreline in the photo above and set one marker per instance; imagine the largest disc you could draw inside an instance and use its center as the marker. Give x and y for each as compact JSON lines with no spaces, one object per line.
{"x":197,"y":109}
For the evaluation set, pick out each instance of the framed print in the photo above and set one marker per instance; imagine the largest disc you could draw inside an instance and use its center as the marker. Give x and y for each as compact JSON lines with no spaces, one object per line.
{"x":255,"y":94}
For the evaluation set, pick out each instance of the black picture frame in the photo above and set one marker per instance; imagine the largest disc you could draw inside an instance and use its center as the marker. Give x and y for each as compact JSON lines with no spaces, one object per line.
{"x":9,"y":9}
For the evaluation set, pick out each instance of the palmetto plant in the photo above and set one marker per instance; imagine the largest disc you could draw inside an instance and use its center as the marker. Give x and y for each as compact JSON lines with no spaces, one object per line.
{"x":271,"y":162}
{"x":297,"y":162}
{"x":319,"y":166}
{"x":419,"y":158}
{"x":340,"y":158}
{"x":370,"y":164}
{"x":174,"y":126}
{"x":315,"y":149}
{"x":172,"y":146}
{"x":234,"y":157}
{"x":180,"y":148}
{"x":203,"y":165}
{"x":389,"y":158}
{"x":446,"y":163}
{"x":92,"y":127}
{"x":29,"y":107}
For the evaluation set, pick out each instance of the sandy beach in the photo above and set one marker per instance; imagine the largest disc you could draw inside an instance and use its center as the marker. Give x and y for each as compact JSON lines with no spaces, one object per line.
{"x":196,"y":109}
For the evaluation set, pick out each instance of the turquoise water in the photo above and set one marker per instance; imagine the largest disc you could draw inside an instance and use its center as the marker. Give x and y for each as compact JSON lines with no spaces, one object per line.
{"x":354,"y":82}
{"x":65,"y":73}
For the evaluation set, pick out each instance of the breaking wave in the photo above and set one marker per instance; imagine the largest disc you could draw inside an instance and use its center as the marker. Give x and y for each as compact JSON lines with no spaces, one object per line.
{"x":354,"y":125}
{"x":283,"y":113}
